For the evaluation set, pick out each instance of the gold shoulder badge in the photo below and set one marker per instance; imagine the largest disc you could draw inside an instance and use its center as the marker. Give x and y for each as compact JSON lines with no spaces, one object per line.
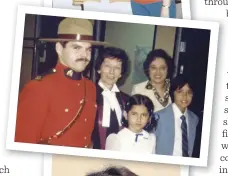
{"x":39,"y":77}
{"x":70,"y":73}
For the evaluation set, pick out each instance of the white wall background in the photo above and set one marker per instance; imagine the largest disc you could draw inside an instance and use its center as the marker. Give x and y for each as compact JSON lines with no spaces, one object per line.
{"x":127,"y":36}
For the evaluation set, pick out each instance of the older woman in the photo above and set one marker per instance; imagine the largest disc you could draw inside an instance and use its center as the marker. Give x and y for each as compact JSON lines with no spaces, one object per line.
{"x":158,"y":68}
{"x":111,"y":66}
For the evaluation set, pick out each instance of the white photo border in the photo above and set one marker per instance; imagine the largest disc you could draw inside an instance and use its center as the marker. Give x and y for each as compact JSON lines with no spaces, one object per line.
{"x":212,"y":26}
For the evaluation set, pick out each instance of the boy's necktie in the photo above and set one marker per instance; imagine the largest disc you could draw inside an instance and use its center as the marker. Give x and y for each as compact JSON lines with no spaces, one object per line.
{"x":184,"y":137}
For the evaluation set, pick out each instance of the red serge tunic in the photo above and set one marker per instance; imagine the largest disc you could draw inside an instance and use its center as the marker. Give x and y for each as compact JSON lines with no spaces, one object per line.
{"x":48,"y":105}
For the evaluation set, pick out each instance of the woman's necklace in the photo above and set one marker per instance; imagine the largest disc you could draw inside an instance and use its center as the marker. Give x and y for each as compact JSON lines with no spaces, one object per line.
{"x":163,"y":101}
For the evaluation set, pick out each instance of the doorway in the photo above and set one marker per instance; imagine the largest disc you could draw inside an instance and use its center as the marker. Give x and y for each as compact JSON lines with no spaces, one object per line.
{"x":191,"y":58}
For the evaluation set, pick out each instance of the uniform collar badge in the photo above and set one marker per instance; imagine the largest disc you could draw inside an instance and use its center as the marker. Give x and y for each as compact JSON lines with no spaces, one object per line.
{"x":72,"y":74}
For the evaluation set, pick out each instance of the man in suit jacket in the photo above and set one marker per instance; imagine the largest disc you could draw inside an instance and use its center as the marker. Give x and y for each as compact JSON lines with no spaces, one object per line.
{"x":111,"y":66}
{"x":176,"y":128}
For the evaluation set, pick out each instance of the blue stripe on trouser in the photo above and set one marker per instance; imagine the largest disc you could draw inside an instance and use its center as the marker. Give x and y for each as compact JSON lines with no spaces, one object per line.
{"x":152,"y":9}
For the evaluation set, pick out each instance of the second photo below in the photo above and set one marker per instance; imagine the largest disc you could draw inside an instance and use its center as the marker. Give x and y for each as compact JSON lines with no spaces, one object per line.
{"x":58,"y":165}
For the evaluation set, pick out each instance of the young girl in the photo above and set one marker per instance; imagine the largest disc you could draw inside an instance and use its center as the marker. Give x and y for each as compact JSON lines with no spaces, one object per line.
{"x":138,"y":122}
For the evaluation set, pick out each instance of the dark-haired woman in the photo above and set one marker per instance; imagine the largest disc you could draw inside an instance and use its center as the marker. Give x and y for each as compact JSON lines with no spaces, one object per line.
{"x":158,"y":68}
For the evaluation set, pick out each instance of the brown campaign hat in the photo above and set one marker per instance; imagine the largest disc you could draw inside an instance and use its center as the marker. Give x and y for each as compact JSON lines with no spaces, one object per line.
{"x":75,"y":29}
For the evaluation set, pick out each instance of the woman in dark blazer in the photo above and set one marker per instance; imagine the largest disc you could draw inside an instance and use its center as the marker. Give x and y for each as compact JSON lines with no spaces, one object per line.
{"x":111,"y":65}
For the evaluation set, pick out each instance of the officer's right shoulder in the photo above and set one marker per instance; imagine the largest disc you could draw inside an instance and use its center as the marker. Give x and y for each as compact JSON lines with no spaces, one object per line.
{"x":43,"y":75}
{"x":39,"y":82}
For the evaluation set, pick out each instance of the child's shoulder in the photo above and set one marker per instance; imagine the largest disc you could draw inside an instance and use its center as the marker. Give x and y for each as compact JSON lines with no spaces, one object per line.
{"x":149,"y":137}
{"x":112,"y":142}
{"x":193,"y":115}
{"x":112,"y":137}
{"x":152,"y":135}
{"x":164,"y":110}
{"x":148,"y":134}
{"x":122,"y":131}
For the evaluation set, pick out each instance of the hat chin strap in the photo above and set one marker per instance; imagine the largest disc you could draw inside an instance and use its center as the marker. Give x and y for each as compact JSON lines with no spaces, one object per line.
{"x":75,"y":36}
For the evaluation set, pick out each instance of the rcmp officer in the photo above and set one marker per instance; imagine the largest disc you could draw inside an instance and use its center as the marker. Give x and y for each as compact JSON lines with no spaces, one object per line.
{"x":60,"y":108}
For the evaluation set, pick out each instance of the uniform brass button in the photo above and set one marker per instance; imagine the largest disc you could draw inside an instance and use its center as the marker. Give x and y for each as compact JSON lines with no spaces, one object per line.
{"x":38,"y":78}
{"x":54,"y":70}
{"x":78,"y":84}
{"x":95,"y":105}
{"x":84,"y":137}
{"x":85,"y":120}
{"x":81,"y":101}
{"x":86,"y":146}
{"x":66,"y":110}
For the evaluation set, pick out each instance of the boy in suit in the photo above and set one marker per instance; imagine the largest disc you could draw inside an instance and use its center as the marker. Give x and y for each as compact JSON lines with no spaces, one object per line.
{"x":176,"y":128}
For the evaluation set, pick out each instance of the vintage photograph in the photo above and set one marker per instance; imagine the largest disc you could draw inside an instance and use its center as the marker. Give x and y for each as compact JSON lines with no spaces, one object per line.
{"x":112,"y":86}
{"x":58,"y":165}
{"x":156,"y":8}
